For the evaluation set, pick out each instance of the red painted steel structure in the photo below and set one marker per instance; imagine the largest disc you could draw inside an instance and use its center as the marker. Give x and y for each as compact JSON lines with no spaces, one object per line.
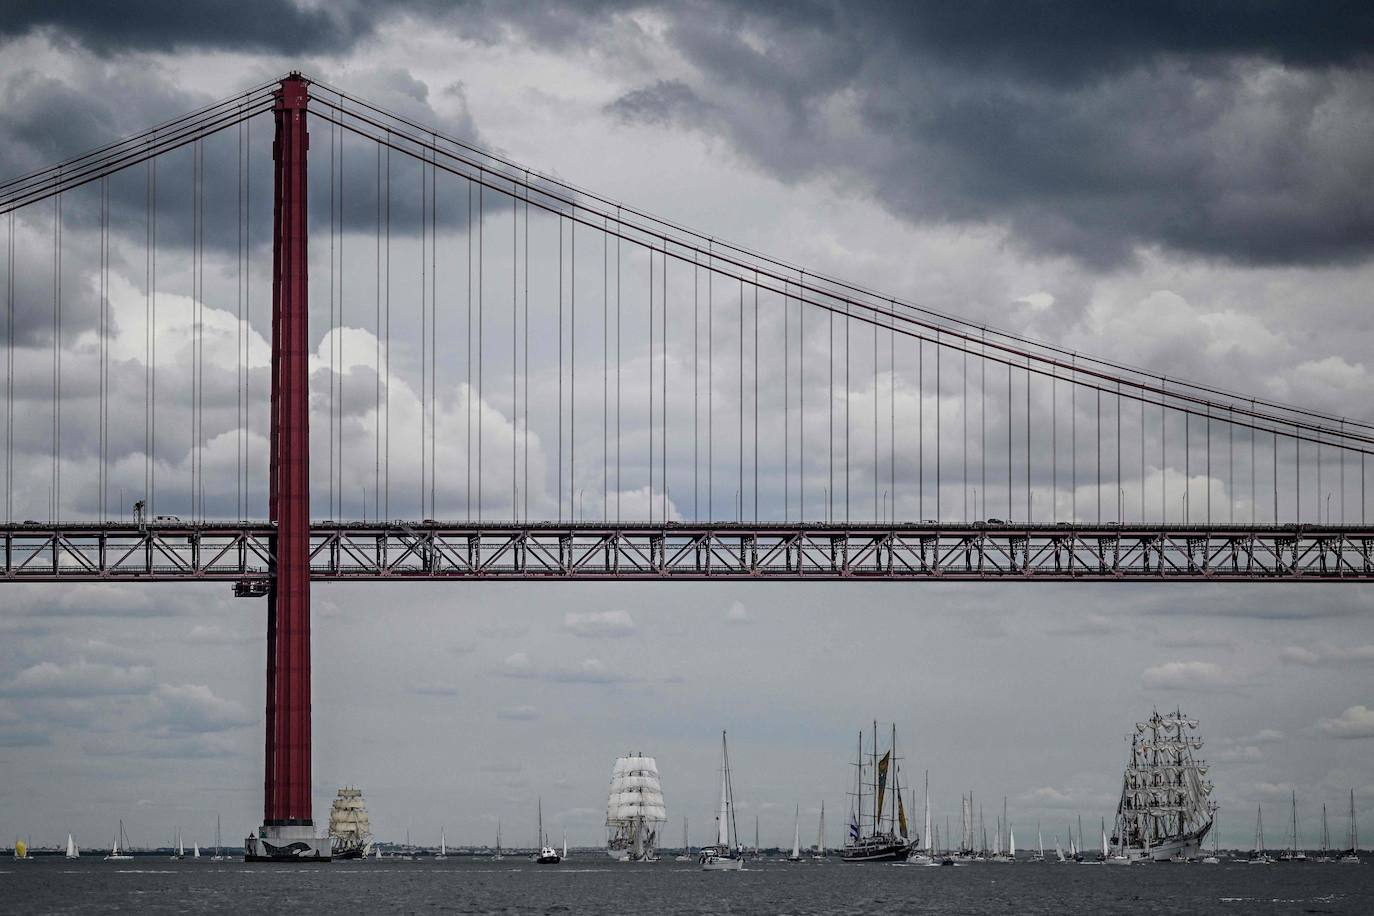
{"x":286,"y":789}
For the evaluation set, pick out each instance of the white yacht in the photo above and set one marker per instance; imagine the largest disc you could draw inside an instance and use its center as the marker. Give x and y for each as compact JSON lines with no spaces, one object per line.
{"x":726,"y":854}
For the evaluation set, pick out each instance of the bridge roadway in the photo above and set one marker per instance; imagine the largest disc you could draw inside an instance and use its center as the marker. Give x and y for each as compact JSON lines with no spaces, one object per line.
{"x":241,"y":553}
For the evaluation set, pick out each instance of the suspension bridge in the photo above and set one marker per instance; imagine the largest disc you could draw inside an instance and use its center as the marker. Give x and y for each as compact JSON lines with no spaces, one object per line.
{"x":470,"y":369}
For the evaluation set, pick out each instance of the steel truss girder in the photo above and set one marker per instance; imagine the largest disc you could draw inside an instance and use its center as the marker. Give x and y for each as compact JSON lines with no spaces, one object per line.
{"x":349,"y":551}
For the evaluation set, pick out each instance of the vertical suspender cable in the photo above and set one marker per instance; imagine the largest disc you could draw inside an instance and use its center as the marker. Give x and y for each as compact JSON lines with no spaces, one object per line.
{"x":605,"y":369}
{"x":386,"y":348}
{"x":9,"y":374}
{"x":338,"y":430}
{"x":481,"y":325}
{"x":514,"y":352}
{"x":739,"y":492}
{"x":618,"y":488}
{"x":467,"y":440}
{"x":663,"y":368}
{"x":560,"y":367}
{"x":377,"y":356}
{"x":572,"y":364}
{"x":57,"y":357}
{"x":104,"y":345}
{"x":801,"y":397}
{"x":921,"y":429}
{"x":696,"y":389}
{"x":756,"y":384}
{"x":424,"y":328}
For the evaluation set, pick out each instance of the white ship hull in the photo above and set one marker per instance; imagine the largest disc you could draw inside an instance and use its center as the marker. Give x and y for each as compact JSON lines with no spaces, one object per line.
{"x":721,"y":863}
{"x":1188,"y":846}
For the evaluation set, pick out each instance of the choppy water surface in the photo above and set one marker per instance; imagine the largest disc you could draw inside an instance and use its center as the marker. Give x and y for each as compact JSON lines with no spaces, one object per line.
{"x":593,"y":884}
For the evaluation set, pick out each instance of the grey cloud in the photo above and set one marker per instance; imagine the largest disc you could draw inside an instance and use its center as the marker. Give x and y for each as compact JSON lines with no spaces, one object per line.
{"x":1237,"y":136}
{"x":1328,"y":655}
{"x":187,"y":710}
{"x":1356,"y":722}
{"x":609,"y":624}
{"x":78,"y":679}
{"x":588,"y":671}
{"x":664,"y":102}
{"x":276,"y":26}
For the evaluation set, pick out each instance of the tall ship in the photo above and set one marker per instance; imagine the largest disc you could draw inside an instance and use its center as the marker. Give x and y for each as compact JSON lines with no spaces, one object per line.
{"x":877,"y":820}
{"x":634,"y":810}
{"x":350,"y":831}
{"x":1165,"y":809}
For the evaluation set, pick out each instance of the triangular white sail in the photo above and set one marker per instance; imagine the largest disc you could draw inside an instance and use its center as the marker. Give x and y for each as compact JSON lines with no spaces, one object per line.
{"x":72,"y":852}
{"x":1058,"y":850}
{"x":1104,"y":842}
{"x":565,"y":842}
{"x":929,"y":848}
{"x":796,"y":835}
{"x":723,"y":814}
{"x":443,"y":843}
{"x":1011,"y":842}
{"x":195,"y":850}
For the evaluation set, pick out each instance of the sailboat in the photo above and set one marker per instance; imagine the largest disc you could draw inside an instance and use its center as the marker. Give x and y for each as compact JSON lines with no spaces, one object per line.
{"x":924,"y":856}
{"x":1258,"y":857}
{"x":498,"y":857}
{"x":1352,"y":856}
{"x":21,"y":850}
{"x":1040,"y":844}
{"x":1119,"y":857}
{"x":795,"y":855}
{"x":115,"y":855}
{"x":1215,"y":859}
{"x":1292,"y":853}
{"x":724,"y":854}
{"x":1058,"y":850}
{"x":565,"y":842}
{"x":219,"y":850}
{"x":879,"y":842}
{"x":819,"y":855}
{"x":756,"y":836}
{"x":547,"y":854}
{"x":443,"y":845}
{"x":1325,"y":854}
{"x":195,"y":850}
{"x":181,"y":850}
{"x":72,"y":851}
{"x":686,"y":854}
{"x":1003,"y":824}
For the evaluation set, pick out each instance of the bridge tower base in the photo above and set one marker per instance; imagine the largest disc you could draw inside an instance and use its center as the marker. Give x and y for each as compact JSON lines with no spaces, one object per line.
{"x":288,"y":829}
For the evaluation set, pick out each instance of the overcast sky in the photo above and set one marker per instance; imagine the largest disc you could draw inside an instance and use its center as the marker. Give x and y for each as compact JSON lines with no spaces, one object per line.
{"x":1176,"y":187}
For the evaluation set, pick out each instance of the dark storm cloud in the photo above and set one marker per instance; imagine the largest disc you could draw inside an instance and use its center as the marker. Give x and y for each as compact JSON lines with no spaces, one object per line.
{"x":247,"y":25}
{"x":1239,"y":131}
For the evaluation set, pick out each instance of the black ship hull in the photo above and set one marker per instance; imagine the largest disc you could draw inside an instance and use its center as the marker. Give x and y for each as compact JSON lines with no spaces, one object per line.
{"x":883,"y":851}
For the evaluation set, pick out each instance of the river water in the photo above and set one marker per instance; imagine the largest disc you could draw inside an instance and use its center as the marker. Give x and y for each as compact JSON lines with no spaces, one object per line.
{"x":594,"y":885}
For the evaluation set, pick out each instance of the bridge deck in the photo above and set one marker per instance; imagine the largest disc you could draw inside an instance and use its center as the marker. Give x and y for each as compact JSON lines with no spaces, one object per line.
{"x":241,"y":552}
